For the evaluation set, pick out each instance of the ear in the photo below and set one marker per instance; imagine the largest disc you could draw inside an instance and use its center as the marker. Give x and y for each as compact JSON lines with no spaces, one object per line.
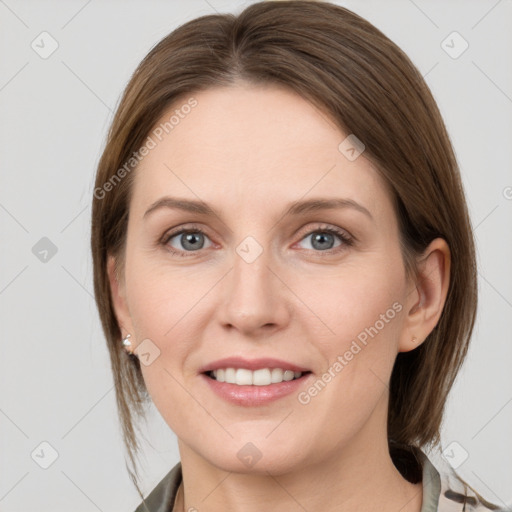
{"x":117,"y":287}
{"x":425,"y":303}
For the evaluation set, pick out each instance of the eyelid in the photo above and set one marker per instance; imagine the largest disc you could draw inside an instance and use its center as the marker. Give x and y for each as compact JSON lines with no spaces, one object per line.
{"x":325,"y":227}
{"x":172,"y":232}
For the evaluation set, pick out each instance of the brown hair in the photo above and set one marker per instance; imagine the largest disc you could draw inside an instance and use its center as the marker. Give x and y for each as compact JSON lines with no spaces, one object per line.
{"x":368,"y":87}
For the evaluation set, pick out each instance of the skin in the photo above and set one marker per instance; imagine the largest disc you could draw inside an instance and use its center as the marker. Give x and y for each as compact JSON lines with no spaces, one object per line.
{"x":248,"y":151}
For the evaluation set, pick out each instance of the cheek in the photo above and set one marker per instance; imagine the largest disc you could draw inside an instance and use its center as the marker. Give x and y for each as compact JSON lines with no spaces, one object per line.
{"x":361,"y":317}
{"x":159,"y":296}
{"x":163,"y":308}
{"x":355,"y":300}
{"x":169,"y":307}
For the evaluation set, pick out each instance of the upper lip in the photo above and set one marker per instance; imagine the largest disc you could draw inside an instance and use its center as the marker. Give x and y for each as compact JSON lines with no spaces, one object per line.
{"x":252,"y":364}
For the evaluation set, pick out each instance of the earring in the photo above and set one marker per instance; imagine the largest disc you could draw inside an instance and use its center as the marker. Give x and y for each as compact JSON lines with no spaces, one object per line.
{"x":126,"y":341}
{"x":414,"y":339}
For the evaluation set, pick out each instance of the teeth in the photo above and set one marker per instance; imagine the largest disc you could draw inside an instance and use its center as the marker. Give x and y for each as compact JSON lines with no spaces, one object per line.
{"x":243,"y":377}
{"x":261,"y":377}
{"x":229,"y":375}
{"x":288,"y":375}
{"x":277,"y":375}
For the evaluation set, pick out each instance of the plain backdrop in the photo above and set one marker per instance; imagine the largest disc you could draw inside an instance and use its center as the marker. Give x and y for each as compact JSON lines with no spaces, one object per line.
{"x":56,"y":384}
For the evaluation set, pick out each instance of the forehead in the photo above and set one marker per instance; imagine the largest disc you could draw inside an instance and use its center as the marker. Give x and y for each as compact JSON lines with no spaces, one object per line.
{"x":252,"y":144}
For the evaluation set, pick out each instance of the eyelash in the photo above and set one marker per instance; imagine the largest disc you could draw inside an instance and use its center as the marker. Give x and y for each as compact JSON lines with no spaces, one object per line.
{"x":345,"y":239}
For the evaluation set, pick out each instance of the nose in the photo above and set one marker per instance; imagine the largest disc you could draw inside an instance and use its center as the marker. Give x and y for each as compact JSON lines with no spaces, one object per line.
{"x":256,"y":299}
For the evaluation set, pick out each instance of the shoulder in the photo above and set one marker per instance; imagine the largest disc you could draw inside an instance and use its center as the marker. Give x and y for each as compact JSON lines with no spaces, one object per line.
{"x":452,"y":491}
{"x":161,"y":498}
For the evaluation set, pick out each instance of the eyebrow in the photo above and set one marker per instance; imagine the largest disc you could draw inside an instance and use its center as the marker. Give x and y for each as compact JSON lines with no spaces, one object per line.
{"x":295,"y":208}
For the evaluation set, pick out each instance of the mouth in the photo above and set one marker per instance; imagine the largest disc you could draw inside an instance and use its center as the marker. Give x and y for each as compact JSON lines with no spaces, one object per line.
{"x":260,"y":377}
{"x":254,"y":382}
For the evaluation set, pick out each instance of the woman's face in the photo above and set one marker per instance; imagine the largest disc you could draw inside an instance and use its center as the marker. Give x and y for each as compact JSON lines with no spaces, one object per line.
{"x":272,"y":280}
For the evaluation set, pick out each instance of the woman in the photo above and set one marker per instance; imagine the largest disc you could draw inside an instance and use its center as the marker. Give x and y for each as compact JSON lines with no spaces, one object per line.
{"x":284,"y":265}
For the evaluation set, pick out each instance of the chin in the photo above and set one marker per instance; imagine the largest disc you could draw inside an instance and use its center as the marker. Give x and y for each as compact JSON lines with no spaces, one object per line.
{"x":260,"y":456}
{"x":275,"y":464}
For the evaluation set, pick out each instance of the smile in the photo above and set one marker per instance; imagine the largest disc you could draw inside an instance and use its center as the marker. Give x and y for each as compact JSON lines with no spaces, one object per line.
{"x":246,"y":377}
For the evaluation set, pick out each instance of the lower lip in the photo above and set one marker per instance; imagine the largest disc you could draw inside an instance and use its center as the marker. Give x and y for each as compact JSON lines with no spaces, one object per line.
{"x":251,"y":396}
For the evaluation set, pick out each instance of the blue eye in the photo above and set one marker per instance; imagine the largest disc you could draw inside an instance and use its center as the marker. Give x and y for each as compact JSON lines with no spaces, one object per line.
{"x":193,"y":240}
{"x":322,"y":239}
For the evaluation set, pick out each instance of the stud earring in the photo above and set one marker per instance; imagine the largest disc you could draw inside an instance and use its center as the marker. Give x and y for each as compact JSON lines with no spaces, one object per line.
{"x":414,"y":339}
{"x":126,"y":341}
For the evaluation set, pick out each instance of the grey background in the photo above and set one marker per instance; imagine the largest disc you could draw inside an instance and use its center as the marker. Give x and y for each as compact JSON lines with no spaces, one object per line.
{"x":54,"y":369}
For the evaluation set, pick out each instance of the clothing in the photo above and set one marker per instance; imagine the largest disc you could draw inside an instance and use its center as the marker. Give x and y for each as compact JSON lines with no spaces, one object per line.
{"x":443,"y":491}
